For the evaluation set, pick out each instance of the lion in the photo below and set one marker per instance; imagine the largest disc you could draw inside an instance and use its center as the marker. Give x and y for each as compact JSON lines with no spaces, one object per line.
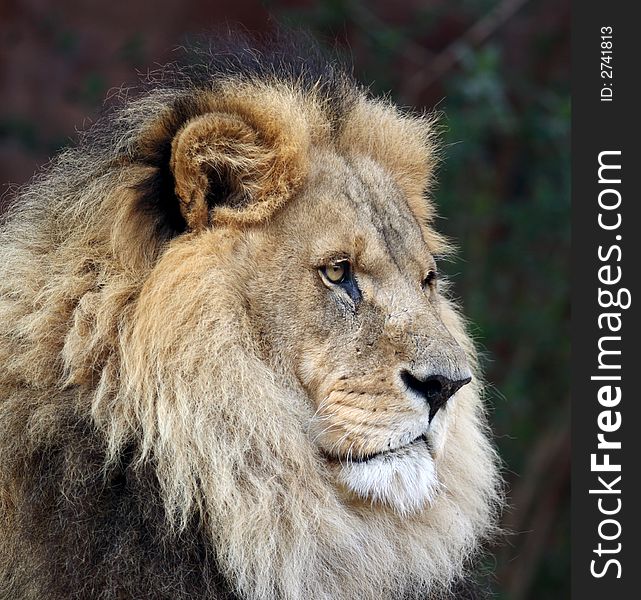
{"x":230,"y":368}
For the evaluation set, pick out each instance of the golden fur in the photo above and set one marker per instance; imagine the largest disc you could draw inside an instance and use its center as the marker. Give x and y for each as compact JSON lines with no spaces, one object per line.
{"x":214,"y":349}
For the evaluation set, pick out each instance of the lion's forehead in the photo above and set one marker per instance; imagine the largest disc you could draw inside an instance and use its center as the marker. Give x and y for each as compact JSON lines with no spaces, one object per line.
{"x":358,"y":204}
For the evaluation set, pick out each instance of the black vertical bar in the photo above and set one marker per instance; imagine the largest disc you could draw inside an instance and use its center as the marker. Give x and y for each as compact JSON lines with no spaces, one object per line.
{"x":606,"y":124}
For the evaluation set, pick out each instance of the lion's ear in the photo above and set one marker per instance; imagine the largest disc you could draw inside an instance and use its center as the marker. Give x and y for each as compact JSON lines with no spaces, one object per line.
{"x":236,"y":164}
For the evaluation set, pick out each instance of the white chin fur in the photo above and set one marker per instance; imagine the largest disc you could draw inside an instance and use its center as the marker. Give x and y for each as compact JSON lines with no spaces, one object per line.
{"x":405,"y":479}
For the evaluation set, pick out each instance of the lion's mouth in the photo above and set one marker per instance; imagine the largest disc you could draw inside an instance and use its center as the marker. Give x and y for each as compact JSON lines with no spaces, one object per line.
{"x":393,"y":452}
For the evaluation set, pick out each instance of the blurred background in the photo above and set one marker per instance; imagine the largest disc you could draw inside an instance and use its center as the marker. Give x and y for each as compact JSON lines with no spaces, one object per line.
{"x":498,"y":70}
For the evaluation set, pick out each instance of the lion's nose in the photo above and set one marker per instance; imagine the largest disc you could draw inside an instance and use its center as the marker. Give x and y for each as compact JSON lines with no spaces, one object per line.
{"x":436,"y":390}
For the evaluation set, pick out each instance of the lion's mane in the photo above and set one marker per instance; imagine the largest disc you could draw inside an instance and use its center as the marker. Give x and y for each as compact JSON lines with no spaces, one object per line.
{"x":142,"y":462}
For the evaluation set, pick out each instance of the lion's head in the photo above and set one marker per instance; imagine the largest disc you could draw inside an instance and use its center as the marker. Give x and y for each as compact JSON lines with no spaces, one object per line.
{"x":236,"y":277}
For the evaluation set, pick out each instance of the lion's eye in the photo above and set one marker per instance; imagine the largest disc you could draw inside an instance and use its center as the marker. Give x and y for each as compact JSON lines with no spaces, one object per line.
{"x":338,"y":275}
{"x":429,"y":280}
{"x":336,"y":272}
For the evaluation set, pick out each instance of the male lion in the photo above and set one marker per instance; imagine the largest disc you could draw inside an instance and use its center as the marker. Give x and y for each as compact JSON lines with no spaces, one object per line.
{"x":228,"y":370}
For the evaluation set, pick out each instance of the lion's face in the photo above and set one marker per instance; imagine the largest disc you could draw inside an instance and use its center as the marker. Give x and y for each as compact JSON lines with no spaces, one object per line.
{"x":345,"y":288}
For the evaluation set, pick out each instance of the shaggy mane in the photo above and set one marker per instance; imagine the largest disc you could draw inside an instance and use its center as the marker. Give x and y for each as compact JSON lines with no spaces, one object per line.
{"x":137,"y":465}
